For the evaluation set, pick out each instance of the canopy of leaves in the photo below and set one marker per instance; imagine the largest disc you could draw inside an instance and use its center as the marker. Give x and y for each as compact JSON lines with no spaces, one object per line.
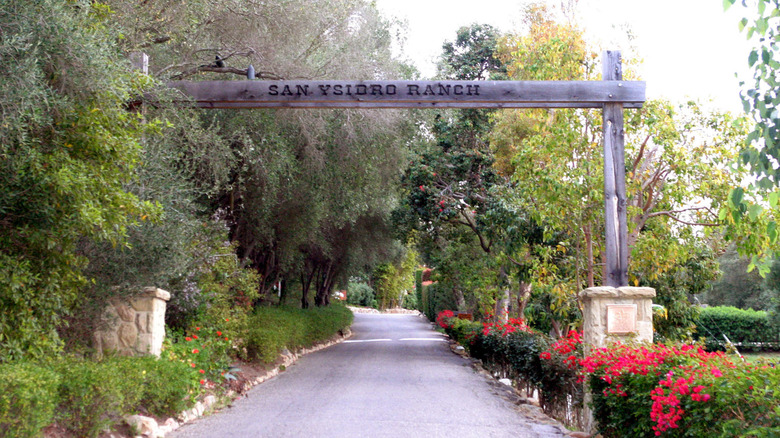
{"x":68,"y":148}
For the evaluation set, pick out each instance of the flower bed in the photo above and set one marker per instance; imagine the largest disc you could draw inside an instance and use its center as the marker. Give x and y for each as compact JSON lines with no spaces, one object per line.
{"x":639,"y":391}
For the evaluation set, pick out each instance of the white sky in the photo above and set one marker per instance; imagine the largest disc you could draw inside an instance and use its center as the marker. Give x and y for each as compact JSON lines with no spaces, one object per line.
{"x":690,"y":48}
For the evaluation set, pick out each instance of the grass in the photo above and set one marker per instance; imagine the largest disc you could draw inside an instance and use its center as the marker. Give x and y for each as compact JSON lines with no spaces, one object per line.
{"x":771,"y":356}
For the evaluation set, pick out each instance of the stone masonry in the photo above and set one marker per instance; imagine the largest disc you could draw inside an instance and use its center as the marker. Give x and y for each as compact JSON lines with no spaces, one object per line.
{"x":614,"y":314}
{"x":136,"y":327}
{"x":596,"y":303}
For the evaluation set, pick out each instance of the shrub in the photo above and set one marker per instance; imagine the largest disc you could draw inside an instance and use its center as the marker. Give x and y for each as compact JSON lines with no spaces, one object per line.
{"x":204,"y":350}
{"x":744,"y":327}
{"x":275,"y":328}
{"x":361,"y":294}
{"x":28,"y":395}
{"x":95,"y":395}
{"x":167,"y":386}
{"x":659,"y":390}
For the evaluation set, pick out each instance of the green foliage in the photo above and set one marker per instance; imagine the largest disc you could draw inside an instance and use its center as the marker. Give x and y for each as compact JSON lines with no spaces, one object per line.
{"x":167,"y":386}
{"x":761,"y":97}
{"x":206,"y":351}
{"x":746,"y":328}
{"x":437,"y":299}
{"x":361,"y":294}
{"x":737,"y":287}
{"x":28,"y":396}
{"x":273,"y":329}
{"x":393,"y":281}
{"x":94,"y":396}
{"x":69,"y":148}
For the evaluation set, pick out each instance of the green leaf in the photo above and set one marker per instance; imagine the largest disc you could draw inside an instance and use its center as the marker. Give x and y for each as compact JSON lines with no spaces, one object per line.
{"x":753,"y":57}
{"x":773,"y":198}
{"x":771,"y":231}
{"x":736,"y":196}
{"x":754,"y":211}
{"x":742,"y":24}
{"x":727,"y":4}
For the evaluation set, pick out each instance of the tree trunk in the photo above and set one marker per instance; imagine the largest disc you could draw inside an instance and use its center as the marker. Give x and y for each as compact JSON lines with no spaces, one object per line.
{"x":523,"y":296}
{"x":502,"y":306}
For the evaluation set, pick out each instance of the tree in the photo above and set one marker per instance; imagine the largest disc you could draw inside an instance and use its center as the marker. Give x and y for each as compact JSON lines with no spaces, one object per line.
{"x":678,"y":171}
{"x":301,"y":190}
{"x":69,"y":148}
{"x":751,"y":215}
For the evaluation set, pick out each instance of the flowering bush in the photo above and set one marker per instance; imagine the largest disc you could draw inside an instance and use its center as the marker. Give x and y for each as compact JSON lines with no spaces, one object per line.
{"x":444,"y":319}
{"x":205,"y":350}
{"x":661,"y":390}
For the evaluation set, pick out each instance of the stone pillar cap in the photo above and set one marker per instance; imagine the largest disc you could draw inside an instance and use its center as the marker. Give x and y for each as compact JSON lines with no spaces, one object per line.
{"x":155,"y":292}
{"x":618,"y":292}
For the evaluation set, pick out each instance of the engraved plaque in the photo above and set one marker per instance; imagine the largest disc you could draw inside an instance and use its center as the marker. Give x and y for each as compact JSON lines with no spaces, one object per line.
{"x":621,"y":319}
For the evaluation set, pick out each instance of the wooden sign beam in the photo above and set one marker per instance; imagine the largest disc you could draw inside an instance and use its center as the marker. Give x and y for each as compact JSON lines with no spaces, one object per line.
{"x":412,"y":94}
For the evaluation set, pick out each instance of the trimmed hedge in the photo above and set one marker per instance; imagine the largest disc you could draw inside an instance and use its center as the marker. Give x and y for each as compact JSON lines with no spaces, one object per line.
{"x":744,"y":327}
{"x":273,"y":329}
{"x":28,"y":396}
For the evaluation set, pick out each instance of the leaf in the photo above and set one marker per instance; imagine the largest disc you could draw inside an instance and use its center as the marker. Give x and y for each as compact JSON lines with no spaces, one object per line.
{"x":753,"y":57}
{"x":771,"y":231}
{"x":736,"y":196}
{"x":742,"y":24}
{"x":754,"y":211}
{"x":773,"y":198}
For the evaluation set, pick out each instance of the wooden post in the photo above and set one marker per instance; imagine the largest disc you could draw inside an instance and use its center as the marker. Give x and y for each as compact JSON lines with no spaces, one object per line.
{"x":616,"y":269}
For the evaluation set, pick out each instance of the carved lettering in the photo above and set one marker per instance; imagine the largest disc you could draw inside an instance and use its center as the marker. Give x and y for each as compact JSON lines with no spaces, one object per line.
{"x":286,"y":91}
{"x":444,"y":90}
{"x":324,"y":89}
{"x":412,"y":90}
{"x":273,"y":90}
{"x":302,"y":90}
{"x":391,"y":90}
{"x":429,"y":91}
{"x":337,"y":90}
{"x":376,"y":90}
{"x":457,"y":90}
{"x":361,"y":90}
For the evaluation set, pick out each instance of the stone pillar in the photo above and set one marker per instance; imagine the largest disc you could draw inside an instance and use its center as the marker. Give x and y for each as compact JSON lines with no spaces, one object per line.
{"x":134,"y":328}
{"x":614,"y":314}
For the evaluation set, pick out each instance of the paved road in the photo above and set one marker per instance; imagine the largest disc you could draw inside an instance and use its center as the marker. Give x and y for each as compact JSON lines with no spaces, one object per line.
{"x":394,"y":378}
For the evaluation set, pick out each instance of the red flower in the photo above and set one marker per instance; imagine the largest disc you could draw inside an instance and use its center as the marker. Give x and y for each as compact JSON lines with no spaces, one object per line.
{"x":188,"y":339}
{"x":192,"y":364}
{"x":226,"y":338}
{"x":194,"y":336}
{"x":197,"y":328}
{"x":202,"y":371}
{"x":195,"y":351}
{"x":202,"y":381}
{"x":219,"y":333}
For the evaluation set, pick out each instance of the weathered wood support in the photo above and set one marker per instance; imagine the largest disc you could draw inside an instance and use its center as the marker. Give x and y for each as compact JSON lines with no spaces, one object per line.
{"x":616,"y":236}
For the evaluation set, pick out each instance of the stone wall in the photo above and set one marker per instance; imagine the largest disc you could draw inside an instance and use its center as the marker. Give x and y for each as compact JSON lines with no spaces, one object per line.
{"x":136,"y":327}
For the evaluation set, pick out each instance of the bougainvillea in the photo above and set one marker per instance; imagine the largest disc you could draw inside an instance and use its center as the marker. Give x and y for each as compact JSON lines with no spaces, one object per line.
{"x":444,"y":319}
{"x":660,"y":390}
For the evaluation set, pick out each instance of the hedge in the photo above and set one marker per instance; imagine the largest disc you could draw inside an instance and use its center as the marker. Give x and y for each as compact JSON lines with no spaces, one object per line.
{"x":744,"y":328}
{"x":273,"y":329}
